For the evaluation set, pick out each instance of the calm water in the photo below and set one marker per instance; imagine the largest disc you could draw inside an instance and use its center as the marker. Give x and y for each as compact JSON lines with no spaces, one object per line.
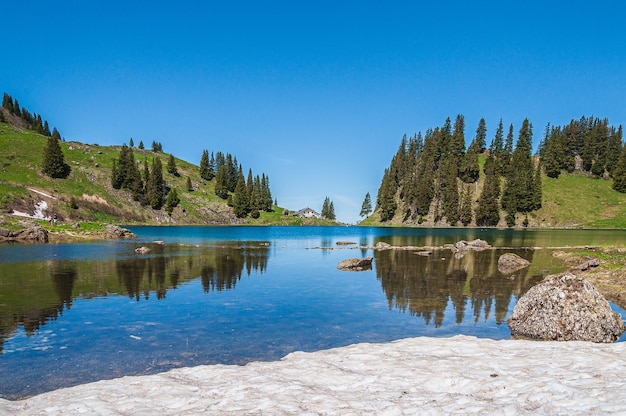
{"x":75,"y":313}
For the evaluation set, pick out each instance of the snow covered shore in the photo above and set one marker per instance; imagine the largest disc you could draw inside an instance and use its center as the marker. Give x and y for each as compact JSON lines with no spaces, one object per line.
{"x":459,"y":375}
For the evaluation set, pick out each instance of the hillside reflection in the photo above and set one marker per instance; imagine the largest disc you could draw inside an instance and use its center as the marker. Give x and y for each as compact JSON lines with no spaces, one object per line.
{"x":34,"y":293}
{"x":424,"y":285}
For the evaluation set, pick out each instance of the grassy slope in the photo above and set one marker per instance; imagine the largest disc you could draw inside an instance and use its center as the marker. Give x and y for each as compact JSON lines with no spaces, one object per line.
{"x":21,"y":154}
{"x":572,"y":200}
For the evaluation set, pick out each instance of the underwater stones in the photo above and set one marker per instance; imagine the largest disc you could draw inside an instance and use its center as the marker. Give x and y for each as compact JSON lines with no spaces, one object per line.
{"x":356,"y":264}
{"x":511,"y":262}
{"x":565,"y":307}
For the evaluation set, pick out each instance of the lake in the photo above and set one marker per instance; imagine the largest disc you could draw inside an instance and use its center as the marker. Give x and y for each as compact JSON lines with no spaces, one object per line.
{"x":75,"y":313}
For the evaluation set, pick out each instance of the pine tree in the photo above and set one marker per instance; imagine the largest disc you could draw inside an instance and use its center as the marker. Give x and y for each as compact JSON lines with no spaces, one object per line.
{"x":155,"y":184}
{"x":221,"y":186}
{"x":519,"y":192}
{"x":171,"y":201}
{"x":325,"y":207}
{"x":366,"y":207}
{"x":141,"y":144}
{"x":188,"y":184}
{"x":53,"y":164}
{"x":619,"y":173}
{"x":171,"y":165}
{"x":131,"y":143}
{"x":488,"y":210}
{"x":481,"y":136}
{"x":386,"y":200}
{"x":205,"y":172}
{"x":241,"y":200}
{"x":331,"y":211}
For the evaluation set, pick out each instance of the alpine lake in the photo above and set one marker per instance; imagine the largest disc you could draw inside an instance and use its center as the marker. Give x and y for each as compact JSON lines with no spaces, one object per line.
{"x":74,"y":313}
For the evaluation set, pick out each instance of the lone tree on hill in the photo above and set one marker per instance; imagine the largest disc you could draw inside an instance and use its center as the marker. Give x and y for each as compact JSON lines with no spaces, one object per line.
{"x":366,"y":208}
{"x":171,"y":165}
{"x":53,"y":164}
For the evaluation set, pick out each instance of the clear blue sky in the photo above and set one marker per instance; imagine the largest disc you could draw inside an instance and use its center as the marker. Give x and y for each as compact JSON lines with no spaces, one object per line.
{"x":315,"y":94}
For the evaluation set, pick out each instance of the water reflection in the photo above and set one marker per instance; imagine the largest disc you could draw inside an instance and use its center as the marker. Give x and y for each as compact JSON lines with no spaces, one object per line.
{"x":423,"y":285}
{"x":33,"y":293}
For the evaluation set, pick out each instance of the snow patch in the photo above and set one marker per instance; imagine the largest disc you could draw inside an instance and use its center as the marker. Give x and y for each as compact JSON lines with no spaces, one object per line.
{"x":458,"y":375}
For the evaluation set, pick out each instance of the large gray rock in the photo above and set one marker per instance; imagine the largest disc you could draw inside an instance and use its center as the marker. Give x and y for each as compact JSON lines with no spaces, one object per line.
{"x":461,"y":248}
{"x":34,"y":234}
{"x":114,"y":231}
{"x":356,"y":264}
{"x":511,"y":262}
{"x":565,"y":307}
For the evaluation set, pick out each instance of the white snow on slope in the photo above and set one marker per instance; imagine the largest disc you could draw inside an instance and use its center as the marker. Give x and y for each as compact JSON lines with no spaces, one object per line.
{"x":416,"y":376}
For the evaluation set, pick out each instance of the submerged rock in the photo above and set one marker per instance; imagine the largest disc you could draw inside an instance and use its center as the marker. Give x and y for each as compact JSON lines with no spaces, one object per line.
{"x":511,"y":262}
{"x":356,"y":264}
{"x":565,"y":308}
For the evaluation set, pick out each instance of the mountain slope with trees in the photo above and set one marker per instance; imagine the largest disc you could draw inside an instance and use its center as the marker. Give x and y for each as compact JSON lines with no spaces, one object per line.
{"x":122,"y":184}
{"x":576,"y":178}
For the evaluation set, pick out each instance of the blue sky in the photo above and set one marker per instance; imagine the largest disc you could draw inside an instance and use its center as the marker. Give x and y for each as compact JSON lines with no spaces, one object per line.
{"x":316,"y":95}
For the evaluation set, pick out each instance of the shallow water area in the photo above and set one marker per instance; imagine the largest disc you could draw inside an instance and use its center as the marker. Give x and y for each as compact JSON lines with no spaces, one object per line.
{"x":75,"y":313}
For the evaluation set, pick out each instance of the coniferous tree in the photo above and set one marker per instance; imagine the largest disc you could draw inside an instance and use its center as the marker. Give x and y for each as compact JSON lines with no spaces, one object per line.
{"x":7,"y":102}
{"x":205,"y":172}
{"x":171,"y":165}
{"x":614,"y":149}
{"x":46,"y":129}
{"x":131,"y":143}
{"x":188,"y":184}
{"x":53,"y":164}
{"x":366,"y":207}
{"x":331,"y":211}
{"x":155,"y":184}
{"x":386,"y":200}
{"x":488,"y":210}
{"x":497,"y":149}
{"x":266,"y":193}
{"x":171,"y":201}
{"x":481,"y":136}
{"x":325,"y":208}
{"x":116,"y":179}
{"x":519,"y":191}
{"x":619,"y":173}
{"x":221,"y":185}
{"x":141,"y":144}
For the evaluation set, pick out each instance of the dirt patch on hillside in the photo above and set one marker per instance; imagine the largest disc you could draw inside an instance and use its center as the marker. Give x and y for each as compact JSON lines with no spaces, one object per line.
{"x":94,"y":198}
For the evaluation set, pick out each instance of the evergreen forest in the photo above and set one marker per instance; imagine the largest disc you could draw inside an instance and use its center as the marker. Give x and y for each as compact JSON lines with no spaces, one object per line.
{"x":434,"y":179}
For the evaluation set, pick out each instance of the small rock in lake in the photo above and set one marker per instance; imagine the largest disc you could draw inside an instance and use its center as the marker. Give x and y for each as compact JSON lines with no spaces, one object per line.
{"x":142,"y":250}
{"x":356,"y":264}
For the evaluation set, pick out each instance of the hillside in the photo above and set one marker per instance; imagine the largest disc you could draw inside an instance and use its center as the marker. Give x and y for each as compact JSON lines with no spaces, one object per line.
{"x":574,"y":200}
{"x":23,"y":187}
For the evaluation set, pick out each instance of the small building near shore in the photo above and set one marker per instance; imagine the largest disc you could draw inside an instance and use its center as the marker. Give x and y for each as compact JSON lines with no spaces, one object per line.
{"x":308,"y":213}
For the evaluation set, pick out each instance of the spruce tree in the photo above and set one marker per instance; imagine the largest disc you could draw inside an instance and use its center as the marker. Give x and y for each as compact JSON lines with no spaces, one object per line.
{"x":141,"y":146}
{"x":221,"y":185}
{"x":188,"y":184}
{"x":331,"y":211}
{"x":53,"y":164}
{"x":366,"y":207}
{"x":386,"y":200}
{"x":155,"y":184}
{"x":488,"y":210}
{"x":325,"y":208}
{"x":131,"y":143}
{"x":619,"y":173}
{"x":205,"y":173}
{"x":171,"y":165}
{"x":171,"y":201}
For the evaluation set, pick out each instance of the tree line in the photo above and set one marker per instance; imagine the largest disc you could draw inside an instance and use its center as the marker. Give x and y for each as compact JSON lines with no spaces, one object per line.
{"x":32,"y":121}
{"x":434,"y":177}
{"x":247,"y":197}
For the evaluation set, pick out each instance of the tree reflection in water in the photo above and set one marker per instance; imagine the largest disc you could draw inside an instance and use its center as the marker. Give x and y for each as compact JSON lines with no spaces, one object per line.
{"x":423,"y":285}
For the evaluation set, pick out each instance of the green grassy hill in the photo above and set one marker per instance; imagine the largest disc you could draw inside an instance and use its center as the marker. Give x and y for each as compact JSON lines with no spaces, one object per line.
{"x":573,"y":200}
{"x":22,"y":186}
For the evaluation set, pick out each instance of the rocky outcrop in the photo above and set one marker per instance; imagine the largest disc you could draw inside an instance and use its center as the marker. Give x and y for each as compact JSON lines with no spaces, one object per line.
{"x":31,"y":234}
{"x":356,"y":264}
{"x":461,"y":248}
{"x":114,"y":231}
{"x":565,"y":307}
{"x":510,"y":262}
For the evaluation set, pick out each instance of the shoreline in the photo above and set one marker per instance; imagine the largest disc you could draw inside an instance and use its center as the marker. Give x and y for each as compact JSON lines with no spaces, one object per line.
{"x":457,"y":375}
